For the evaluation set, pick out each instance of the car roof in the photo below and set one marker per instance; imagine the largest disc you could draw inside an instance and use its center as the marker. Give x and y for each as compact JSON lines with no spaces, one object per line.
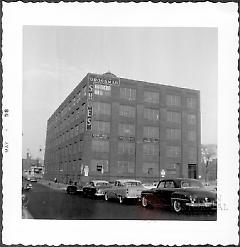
{"x":178,"y":179}
{"x":128,"y":180}
{"x":99,"y":181}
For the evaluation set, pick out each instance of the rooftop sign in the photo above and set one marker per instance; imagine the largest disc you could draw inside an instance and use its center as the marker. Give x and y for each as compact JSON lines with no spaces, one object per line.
{"x":100,"y":79}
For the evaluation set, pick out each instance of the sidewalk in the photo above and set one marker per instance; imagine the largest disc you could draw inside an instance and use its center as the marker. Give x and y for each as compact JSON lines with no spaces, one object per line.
{"x":53,"y":185}
{"x":26,"y":214}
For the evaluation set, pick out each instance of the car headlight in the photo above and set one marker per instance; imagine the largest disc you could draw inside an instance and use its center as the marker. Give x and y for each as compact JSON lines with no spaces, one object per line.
{"x":192,"y":199}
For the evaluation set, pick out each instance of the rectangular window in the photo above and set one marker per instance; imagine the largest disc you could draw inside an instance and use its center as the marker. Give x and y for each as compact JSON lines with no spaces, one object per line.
{"x":100,"y":166}
{"x":100,"y":146}
{"x":126,"y":148}
{"x":151,"y":149}
{"x":192,"y":135}
{"x":126,"y":129}
{"x":173,"y":100}
{"x":76,"y":130}
{"x":102,"y":90}
{"x":172,"y":166}
{"x":151,"y":114}
{"x":173,"y":134}
{"x":100,"y":127}
{"x":78,"y":96}
{"x":101,"y":108}
{"x":127,"y":111}
{"x":151,"y":97}
{"x":191,"y":119}
{"x":173,"y":152}
{"x":125,"y":167}
{"x":84,"y":90}
{"x":80,"y":146}
{"x":128,"y":93}
{"x":150,"y":168}
{"x":151,"y":132}
{"x":83,"y":108}
{"x":81,"y":127}
{"x":192,"y":154}
{"x":191,"y":103}
{"x":173,"y":117}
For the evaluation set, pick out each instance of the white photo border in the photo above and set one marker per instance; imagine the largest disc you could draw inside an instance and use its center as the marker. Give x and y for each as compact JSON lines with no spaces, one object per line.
{"x":224,"y":16}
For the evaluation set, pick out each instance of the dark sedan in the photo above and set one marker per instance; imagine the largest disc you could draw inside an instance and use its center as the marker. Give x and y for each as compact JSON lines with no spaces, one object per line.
{"x":95,"y":188}
{"x":180,"y":194}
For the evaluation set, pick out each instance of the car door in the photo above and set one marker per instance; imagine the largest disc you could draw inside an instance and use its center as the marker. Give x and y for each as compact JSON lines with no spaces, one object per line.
{"x":157,"y":194}
{"x":169,"y":188}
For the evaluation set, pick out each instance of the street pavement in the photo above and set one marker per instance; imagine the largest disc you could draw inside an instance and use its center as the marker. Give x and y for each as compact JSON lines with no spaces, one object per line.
{"x":52,"y":202}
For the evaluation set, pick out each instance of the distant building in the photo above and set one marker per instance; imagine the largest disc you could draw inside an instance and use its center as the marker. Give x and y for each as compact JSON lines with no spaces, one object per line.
{"x":32,"y":167}
{"x":111,"y":127}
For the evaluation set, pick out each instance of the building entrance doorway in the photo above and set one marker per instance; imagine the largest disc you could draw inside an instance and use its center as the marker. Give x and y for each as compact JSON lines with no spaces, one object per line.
{"x":192,"y":171}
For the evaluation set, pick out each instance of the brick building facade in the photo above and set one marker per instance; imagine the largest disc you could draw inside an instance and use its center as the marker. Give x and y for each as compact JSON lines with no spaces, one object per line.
{"x":111,"y":127}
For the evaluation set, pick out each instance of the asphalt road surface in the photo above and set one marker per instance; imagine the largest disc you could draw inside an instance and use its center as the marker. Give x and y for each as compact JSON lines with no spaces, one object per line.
{"x":46,"y":203}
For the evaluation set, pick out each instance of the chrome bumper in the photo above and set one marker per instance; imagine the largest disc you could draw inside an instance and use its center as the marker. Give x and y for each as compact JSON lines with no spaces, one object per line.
{"x":203,"y":204}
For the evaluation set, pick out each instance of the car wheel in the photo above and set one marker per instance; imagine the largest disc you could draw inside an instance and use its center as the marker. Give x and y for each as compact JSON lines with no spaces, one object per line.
{"x":145,"y":202}
{"x":177,"y":206}
{"x":106,"y":197}
{"x":121,"y":199}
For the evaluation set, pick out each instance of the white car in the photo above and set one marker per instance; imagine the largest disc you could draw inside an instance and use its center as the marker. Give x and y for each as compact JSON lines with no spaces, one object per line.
{"x":124,"y":189}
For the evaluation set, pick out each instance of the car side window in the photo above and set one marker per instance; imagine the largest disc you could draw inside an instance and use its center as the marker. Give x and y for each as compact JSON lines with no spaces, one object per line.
{"x":161,"y":184}
{"x":169,"y":184}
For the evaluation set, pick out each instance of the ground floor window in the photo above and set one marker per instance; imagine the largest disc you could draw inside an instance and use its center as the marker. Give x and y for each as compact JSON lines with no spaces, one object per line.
{"x":150,"y":168}
{"x":126,"y":167}
{"x":100,"y":166}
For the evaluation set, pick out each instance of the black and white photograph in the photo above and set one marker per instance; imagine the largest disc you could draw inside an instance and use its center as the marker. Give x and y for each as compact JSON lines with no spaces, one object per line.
{"x":121,"y":122}
{"x":121,"y":125}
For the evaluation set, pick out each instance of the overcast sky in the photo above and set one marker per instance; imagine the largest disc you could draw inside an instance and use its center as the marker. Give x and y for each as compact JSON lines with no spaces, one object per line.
{"x":55,"y":59}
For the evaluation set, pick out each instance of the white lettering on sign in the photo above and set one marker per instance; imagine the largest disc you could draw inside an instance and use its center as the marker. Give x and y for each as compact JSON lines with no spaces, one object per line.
{"x":105,"y":81}
{"x":89,"y":118}
{"x":90,"y":91}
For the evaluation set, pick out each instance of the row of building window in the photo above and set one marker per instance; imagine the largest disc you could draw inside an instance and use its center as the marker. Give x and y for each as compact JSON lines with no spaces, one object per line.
{"x":149,"y":149}
{"x":67,"y":135}
{"x":149,"y":97}
{"x":100,"y":108}
{"x":101,"y":127}
{"x":70,"y":105}
{"x":67,"y":121}
{"x":125,"y":130}
{"x":102,"y":166}
{"x":149,"y":114}
{"x":126,"y":94}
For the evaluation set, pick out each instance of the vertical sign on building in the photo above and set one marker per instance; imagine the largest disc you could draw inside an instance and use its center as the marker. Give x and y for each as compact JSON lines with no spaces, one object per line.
{"x":89,"y":105}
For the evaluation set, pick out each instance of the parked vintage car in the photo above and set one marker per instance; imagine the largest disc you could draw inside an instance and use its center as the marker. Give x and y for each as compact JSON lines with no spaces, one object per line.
{"x":95,"y":188}
{"x":124,"y":189}
{"x":180,"y":194}
{"x":74,"y":188}
{"x":26,"y":186}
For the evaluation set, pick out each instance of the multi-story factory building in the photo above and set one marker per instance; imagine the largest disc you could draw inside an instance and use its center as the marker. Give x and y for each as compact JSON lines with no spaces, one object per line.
{"x":111,"y":127}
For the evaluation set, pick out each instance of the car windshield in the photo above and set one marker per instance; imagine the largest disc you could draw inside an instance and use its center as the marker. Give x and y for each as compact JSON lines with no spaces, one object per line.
{"x":132,"y":183}
{"x":191,"y":184}
{"x":101,"y":184}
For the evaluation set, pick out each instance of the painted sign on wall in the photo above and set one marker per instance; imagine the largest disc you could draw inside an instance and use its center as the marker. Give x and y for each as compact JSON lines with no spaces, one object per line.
{"x":89,"y":118}
{"x":98,"y":79}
